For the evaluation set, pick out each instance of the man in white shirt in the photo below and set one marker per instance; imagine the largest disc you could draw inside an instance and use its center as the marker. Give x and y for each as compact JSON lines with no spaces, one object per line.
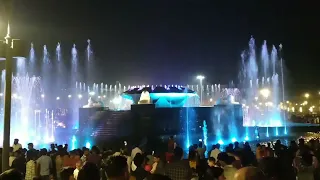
{"x":135,"y":151}
{"x":16,"y":145}
{"x":215,"y":151}
{"x":45,"y":164}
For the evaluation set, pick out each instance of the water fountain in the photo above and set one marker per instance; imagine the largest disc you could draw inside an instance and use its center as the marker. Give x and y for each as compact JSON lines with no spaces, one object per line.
{"x":205,"y":133}
{"x":260,"y":83}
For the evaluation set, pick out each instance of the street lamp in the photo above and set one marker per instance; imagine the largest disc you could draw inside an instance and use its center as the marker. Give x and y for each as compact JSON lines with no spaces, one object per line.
{"x":200,"y":78}
{"x":9,"y":49}
{"x":307,"y":95}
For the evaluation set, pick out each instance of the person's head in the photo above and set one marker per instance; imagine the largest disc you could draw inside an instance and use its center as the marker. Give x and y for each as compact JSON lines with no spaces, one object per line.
{"x":236,"y":144}
{"x":215,"y":173}
{"x":95,"y":150}
{"x":223,"y":158}
{"x":79,"y":164}
{"x":17,"y":153}
{"x":86,"y":152}
{"x":258,"y":145}
{"x":214,"y":146}
{"x":43,"y":152}
{"x":218,"y":146}
{"x":249,"y":173}
{"x":269,"y":145}
{"x":156,"y":158}
{"x":89,"y":171}
{"x":11,"y":174}
{"x":178,"y":153}
{"x":31,"y":156}
{"x":171,"y":137}
{"x":138,"y":160}
{"x":52,"y":146}
{"x":211,"y":161}
{"x":16,"y":141}
{"x":117,"y":168}
{"x":30,"y":146}
{"x":301,"y":141}
{"x":230,"y":160}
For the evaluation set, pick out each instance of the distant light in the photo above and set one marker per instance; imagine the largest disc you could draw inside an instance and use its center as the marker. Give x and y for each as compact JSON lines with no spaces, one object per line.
{"x":88,"y":145}
{"x":58,"y":98}
{"x":211,"y":99}
{"x":69,"y":96}
{"x":200,"y":140}
{"x":104,"y":96}
{"x":200,"y":77}
{"x":79,"y":96}
{"x":15,"y":96}
{"x":246,"y":138}
{"x":1,"y":94}
{"x":256,"y":98}
{"x":42,"y":95}
{"x":99,"y":97}
{"x":92,"y":93}
{"x":265,"y":93}
{"x":306,"y":95}
{"x":220,"y":142}
{"x":233,"y":140}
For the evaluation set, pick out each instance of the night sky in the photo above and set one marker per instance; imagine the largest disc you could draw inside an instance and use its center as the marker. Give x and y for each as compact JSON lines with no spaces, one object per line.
{"x":171,"y":41}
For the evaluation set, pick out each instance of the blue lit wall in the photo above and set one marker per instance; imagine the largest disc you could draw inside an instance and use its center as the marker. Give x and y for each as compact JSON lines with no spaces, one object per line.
{"x":168,"y":100}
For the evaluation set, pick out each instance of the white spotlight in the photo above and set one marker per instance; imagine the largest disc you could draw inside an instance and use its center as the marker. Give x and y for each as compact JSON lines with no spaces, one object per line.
{"x":92,"y":93}
{"x":200,"y":77}
{"x":265,"y":93}
{"x":15,"y":96}
{"x":79,"y":96}
{"x":58,"y":98}
{"x":42,"y":95}
{"x":1,"y":94}
{"x":69,"y":96}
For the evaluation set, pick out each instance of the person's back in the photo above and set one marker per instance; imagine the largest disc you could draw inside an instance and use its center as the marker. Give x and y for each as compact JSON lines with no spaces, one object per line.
{"x":215,"y":152}
{"x":178,"y":169}
{"x":89,"y":172}
{"x":45,"y":164}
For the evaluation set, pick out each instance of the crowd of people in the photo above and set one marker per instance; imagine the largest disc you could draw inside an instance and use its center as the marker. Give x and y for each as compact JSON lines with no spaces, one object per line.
{"x":271,"y":161}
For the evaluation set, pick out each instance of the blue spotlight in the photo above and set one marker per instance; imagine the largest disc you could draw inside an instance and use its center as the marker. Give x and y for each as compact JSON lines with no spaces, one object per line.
{"x":220,"y":142}
{"x":285,"y":130}
{"x":246,"y":138}
{"x":74,"y":140}
{"x":88,"y":145}
{"x":233,"y":140}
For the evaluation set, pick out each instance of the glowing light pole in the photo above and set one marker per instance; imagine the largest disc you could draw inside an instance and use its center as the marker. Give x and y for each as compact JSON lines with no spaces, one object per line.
{"x":200,"y":78}
{"x":9,"y":49}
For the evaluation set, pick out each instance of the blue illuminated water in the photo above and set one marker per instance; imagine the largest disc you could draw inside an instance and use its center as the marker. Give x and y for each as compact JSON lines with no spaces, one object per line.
{"x":205,"y":133}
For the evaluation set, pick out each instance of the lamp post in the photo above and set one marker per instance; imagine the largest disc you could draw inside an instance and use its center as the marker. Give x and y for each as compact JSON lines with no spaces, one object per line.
{"x":9,"y":49}
{"x":200,"y":78}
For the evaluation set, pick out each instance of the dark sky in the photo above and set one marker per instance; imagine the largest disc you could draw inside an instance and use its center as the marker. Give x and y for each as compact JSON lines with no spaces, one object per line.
{"x":170,"y":41}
